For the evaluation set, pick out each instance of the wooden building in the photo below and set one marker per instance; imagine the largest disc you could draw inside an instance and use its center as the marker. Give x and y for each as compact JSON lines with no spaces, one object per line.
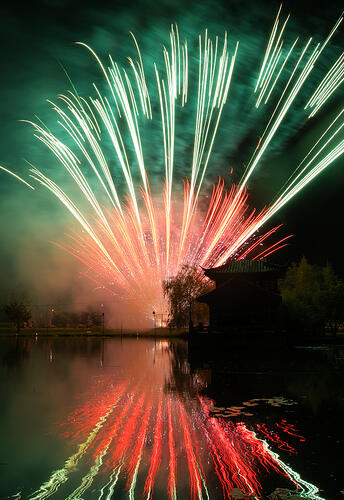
{"x":246,"y":296}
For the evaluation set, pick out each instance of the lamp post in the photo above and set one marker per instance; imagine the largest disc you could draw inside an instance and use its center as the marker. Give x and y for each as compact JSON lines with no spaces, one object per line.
{"x":154,"y":324}
{"x":103,"y":319}
{"x":50,"y":317}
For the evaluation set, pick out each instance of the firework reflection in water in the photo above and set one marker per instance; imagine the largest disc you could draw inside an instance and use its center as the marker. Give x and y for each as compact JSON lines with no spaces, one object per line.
{"x":154,"y":436}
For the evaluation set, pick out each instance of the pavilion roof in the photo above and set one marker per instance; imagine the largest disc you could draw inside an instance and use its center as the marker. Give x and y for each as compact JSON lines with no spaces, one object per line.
{"x":244,"y":267}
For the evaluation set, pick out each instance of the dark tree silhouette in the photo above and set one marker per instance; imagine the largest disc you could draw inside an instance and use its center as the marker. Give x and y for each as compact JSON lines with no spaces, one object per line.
{"x":182,"y":292}
{"x":313,"y":297}
{"x":18,"y":313}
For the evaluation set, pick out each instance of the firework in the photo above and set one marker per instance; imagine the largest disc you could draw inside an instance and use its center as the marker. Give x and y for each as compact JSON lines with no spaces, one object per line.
{"x":131,"y":243}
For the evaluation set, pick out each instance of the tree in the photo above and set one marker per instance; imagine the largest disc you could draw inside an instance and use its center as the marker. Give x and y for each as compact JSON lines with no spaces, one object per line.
{"x":182,"y":292}
{"x":18,"y":313}
{"x":312,"y":297}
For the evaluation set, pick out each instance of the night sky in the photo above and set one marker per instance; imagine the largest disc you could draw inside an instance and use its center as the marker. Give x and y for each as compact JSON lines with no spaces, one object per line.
{"x":37,"y":45}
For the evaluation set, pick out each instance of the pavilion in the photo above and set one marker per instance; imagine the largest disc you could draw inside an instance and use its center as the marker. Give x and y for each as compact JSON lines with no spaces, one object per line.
{"x":246,"y":297}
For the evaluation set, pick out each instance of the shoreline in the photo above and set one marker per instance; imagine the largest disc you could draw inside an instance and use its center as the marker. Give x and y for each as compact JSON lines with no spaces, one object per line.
{"x":265,"y":340}
{"x":76,"y":332}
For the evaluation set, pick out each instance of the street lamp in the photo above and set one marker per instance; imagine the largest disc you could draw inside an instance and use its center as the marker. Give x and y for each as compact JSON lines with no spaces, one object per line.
{"x":154,"y":323}
{"x":103,"y":319}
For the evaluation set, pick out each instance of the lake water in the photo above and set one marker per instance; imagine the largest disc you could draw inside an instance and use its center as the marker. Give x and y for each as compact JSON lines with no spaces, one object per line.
{"x":88,"y":418}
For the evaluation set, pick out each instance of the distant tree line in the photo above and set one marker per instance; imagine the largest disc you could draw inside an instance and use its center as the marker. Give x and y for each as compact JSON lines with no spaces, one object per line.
{"x":66,"y":319}
{"x":312,"y":298}
{"x":21,"y":315}
{"x":18,"y":313}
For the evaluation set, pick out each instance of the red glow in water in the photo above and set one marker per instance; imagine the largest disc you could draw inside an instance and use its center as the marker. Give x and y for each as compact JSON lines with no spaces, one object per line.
{"x":123,"y":431}
{"x":220,"y":467}
{"x":108,"y":434}
{"x":156,"y":454}
{"x":127,"y":432}
{"x":82,"y":421}
{"x":272,"y":436}
{"x":172,"y":455}
{"x":136,"y":454}
{"x":290,"y":429}
{"x":195,"y":476}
